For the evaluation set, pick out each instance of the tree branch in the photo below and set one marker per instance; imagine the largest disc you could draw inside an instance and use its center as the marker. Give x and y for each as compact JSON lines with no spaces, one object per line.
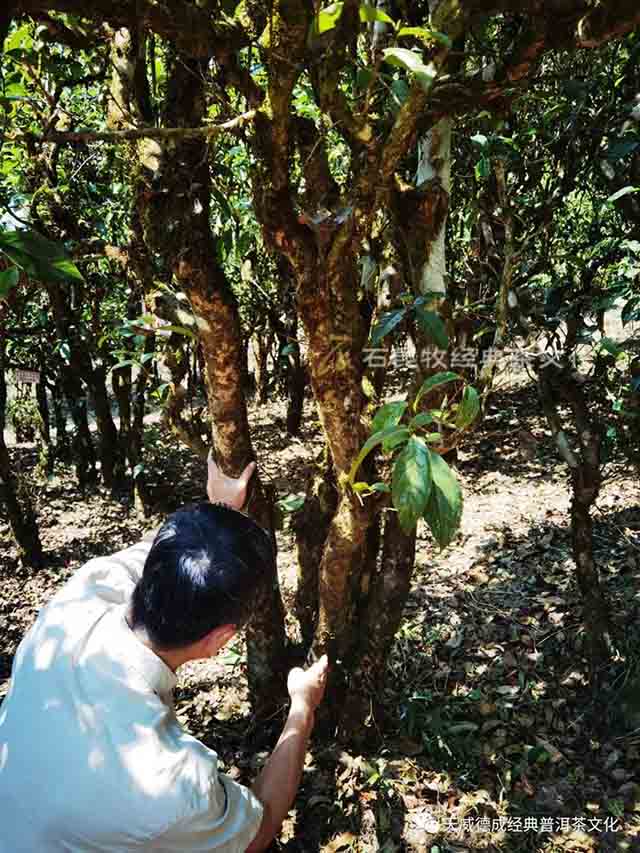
{"x":574,"y":23}
{"x":75,"y":137}
{"x":193,"y":30}
{"x":58,"y":32}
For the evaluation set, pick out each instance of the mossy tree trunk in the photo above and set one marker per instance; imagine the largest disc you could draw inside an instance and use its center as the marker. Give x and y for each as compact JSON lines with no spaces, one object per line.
{"x":174,"y":203}
{"x":323,"y":246}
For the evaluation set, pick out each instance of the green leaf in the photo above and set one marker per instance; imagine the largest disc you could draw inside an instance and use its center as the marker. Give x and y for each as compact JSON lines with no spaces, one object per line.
{"x":387,"y":323}
{"x":39,"y":257}
{"x":388,"y":415}
{"x":291,"y":503}
{"x":624,"y":191}
{"x":395,"y":439}
{"x":223,"y":202}
{"x":433,"y":382}
{"x":421,"y":420}
{"x":326,"y":19}
{"x":396,"y":434}
{"x":410,"y":61}
{"x":631,"y":311}
{"x":621,"y":148}
{"x":411,"y":484}
{"x":480,"y":139}
{"x":483,"y":168}
{"x":21,"y":39}
{"x":15,"y":91}
{"x":126,"y":363}
{"x":425,"y":34}
{"x":139,"y":469}
{"x":432,"y":326}
{"x":8,"y":279}
{"x":400,"y":91}
{"x":444,"y":507}
{"x":469,"y":408}
{"x":368,"y":14}
{"x":415,"y":32}
{"x":610,"y":346}
{"x":364,"y":76}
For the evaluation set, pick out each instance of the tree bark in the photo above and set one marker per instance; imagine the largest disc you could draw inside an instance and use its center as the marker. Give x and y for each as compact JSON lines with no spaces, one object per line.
{"x":506,"y":281}
{"x":109,"y":450}
{"x":18,"y":506}
{"x":72,"y":373}
{"x":389,"y":592}
{"x":176,"y":223}
{"x":557,"y":385}
{"x":311,"y":526}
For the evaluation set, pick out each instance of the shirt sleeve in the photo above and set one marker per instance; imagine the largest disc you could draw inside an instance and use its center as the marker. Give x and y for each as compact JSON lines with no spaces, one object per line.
{"x":112,"y":578}
{"x":228,"y":823}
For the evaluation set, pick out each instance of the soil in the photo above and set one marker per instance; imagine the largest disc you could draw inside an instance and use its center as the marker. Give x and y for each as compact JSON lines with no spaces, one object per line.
{"x":496,"y":737}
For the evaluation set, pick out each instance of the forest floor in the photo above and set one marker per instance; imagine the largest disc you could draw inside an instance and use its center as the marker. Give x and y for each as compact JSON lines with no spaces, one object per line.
{"x":496,"y":738}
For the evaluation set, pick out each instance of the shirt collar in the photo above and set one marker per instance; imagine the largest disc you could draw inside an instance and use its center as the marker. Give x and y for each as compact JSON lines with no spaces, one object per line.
{"x":160,"y":678}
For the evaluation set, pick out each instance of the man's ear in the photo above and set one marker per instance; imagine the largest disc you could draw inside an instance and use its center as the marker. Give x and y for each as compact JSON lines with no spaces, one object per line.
{"x":219,"y":637}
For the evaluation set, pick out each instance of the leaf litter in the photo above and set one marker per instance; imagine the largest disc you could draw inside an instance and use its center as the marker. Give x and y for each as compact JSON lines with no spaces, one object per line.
{"x":489,"y":712}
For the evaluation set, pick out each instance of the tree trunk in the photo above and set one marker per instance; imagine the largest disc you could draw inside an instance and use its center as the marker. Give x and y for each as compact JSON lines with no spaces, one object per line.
{"x":108,"y":449}
{"x":334,"y":334}
{"x":262,"y":342}
{"x":18,"y":506}
{"x":389,"y":592}
{"x":62,"y":449}
{"x":296,"y":384}
{"x":420,"y":214}
{"x":214,"y":303}
{"x":136,"y":433}
{"x":177,"y":224}
{"x":311,"y":526}
{"x":46,"y":452}
{"x":506,"y":282}
{"x":557,"y":386}
{"x":72,"y":372}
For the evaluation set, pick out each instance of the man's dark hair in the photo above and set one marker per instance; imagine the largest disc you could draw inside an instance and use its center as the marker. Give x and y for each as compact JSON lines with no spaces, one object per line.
{"x":205,"y":569}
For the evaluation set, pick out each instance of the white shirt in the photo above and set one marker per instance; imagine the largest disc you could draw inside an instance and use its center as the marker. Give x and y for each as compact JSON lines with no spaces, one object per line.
{"x":92,"y":757}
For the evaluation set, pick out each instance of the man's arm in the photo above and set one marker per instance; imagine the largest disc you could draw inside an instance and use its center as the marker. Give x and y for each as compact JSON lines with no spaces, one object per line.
{"x":277,"y":784}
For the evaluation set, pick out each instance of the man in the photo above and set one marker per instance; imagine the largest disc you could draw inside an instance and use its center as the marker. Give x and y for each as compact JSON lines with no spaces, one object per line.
{"x":92,"y":757}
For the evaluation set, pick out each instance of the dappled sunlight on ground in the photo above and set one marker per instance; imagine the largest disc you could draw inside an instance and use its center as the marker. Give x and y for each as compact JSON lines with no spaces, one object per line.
{"x":488,"y":712}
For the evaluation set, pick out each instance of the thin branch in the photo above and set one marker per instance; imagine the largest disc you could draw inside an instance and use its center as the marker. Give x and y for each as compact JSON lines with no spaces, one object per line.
{"x":75,"y":137}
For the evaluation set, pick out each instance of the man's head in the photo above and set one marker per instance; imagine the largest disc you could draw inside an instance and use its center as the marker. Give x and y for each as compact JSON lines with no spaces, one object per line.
{"x":204,"y":571}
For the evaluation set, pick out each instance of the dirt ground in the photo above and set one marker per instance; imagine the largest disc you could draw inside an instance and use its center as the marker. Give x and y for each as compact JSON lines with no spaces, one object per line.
{"x":495,"y":738}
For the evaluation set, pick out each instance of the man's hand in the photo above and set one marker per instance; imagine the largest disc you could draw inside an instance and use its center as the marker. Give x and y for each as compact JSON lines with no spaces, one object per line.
{"x":278,"y":782}
{"x":228,"y":490}
{"x":306,"y":686}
